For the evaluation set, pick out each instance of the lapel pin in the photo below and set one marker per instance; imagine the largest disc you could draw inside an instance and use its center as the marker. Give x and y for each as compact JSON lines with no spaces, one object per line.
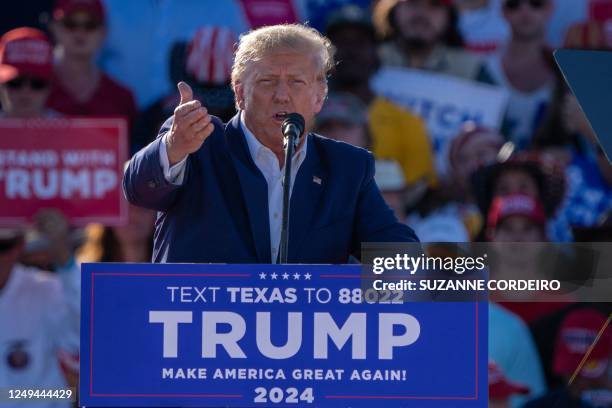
{"x":316,"y":179}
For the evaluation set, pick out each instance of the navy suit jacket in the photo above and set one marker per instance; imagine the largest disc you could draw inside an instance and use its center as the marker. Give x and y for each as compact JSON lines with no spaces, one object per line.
{"x":220,"y":212}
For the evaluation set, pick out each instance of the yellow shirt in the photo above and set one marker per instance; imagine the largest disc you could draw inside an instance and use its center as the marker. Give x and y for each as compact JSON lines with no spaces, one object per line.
{"x":397,"y":134}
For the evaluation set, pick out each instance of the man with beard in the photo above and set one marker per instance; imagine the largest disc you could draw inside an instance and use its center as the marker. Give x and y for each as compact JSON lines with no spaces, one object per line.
{"x":423,"y":34}
{"x":397,"y":134}
{"x":524,"y":66}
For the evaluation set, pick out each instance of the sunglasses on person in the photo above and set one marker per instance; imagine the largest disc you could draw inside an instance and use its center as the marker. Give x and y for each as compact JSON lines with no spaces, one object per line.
{"x":87,"y":25}
{"x":534,"y":4}
{"x":37,"y":84}
{"x":8,"y":244}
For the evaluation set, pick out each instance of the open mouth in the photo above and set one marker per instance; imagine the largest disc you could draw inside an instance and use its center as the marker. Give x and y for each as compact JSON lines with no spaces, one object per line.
{"x":280,"y":116}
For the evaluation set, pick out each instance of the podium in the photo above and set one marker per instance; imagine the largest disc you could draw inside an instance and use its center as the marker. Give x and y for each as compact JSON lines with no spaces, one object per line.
{"x":272,"y":335}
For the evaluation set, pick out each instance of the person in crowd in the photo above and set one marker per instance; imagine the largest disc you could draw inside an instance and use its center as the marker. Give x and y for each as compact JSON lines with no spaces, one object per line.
{"x":397,"y":134}
{"x":567,"y":136}
{"x":501,"y":389}
{"x":79,"y":87}
{"x":132,"y":242}
{"x":25,"y":73}
{"x":545,"y":330}
{"x":423,"y":34}
{"x":473,"y":148}
{"x":39,"y":313}
{"x":512,"y":348}
{"x":517,"y":225}
{"x":482,"y":25}
{"x":524,"y":67}
{"x":585,"y":383}
{"x":230,"y":187}
{"x":390,"y":181}
{"x":516,"y":217}
{"x":485,"y":30}
{"x":344,"y":117}
{"x":205,"y":63}
{"x":141,"y":34}
{"x":520,"y":173}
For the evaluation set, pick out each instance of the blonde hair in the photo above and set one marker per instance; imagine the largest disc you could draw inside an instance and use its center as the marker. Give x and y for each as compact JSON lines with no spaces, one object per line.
{"x":254,"y":45}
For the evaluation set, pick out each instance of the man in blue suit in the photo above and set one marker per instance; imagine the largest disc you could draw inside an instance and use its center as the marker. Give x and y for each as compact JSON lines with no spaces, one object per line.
{"x":218,"y":187}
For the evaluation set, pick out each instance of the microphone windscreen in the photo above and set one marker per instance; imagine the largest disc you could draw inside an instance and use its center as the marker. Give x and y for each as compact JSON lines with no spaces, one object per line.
{"x":296,"y":120}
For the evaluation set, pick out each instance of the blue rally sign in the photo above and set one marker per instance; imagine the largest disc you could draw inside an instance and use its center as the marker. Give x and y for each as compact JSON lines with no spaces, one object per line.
{"x":272,"y":335}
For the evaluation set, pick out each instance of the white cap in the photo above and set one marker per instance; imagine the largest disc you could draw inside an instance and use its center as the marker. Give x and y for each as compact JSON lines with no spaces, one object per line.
{"x":389,"y":176}
{"x":441,"y":228}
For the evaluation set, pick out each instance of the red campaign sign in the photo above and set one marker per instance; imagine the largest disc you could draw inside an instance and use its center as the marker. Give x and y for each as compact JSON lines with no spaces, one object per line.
{"x":74,"y":165}
{"x":261,"y":13}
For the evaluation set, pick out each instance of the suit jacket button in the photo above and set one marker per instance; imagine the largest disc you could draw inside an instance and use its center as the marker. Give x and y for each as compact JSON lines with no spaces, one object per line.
{"x":151,"y":184}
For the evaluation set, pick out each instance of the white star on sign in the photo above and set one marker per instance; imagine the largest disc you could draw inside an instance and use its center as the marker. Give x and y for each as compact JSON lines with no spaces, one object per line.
{"x":262,"y":276}
{"x":307,"y":276}
{"x":273,"y":275}
{"x":285,"y":276}
{"x":296,"y":276}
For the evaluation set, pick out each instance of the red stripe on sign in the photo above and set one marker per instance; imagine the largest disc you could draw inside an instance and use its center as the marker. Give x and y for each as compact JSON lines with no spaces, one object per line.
{"x":213,"y":54}
{"x":171,"y":395}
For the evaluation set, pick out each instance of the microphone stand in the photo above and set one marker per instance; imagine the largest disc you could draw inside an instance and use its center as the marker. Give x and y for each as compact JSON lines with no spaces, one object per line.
{"x":290,"y":144}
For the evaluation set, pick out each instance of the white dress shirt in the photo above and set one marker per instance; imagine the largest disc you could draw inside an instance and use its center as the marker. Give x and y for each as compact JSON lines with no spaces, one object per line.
{"x":267,"y":162}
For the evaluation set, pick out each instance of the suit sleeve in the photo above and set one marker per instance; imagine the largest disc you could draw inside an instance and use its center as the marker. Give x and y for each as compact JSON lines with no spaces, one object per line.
{"x":144,"y":183}
{"x":375,"y":221}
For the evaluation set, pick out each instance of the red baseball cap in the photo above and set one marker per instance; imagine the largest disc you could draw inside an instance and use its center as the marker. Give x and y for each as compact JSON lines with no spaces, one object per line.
{"x":515,"y":204}
{"x":500,"y":388}
{"x":64,"y":8}
{"x":578,"y":332}
{"x":25,"y":51}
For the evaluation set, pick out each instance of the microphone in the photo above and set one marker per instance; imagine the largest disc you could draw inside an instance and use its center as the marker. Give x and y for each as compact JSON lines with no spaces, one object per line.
{"x":293,"y":127}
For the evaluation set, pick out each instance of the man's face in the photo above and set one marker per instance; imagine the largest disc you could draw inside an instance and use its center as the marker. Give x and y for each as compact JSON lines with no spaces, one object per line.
{"x":355,"y":52}
{"x":528,"y":18}
{"x":421,"y":22}
{"x":79,"y":34}
{"x":515,"y":181}
{"x":278,"y":84}
{"x":518,"y":228}
{"x":24,"y":97}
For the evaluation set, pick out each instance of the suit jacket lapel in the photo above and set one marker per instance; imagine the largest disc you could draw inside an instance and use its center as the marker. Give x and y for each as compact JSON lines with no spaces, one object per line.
{"x":254,"y":189}
{"x":308,"y":189}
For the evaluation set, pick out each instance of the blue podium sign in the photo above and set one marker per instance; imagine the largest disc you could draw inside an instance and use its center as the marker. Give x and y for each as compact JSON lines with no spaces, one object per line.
{"x":272,"y":335}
